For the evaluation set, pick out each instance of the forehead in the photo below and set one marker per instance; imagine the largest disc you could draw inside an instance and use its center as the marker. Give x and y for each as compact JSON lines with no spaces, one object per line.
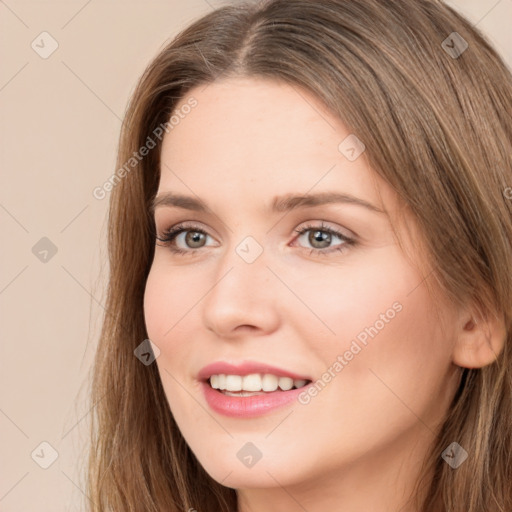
{"x":254,"y":119}
{"x":256,"y":137}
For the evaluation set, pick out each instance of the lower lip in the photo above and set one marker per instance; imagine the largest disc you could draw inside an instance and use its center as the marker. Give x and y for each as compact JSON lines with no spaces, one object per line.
{"x":248,"y":406}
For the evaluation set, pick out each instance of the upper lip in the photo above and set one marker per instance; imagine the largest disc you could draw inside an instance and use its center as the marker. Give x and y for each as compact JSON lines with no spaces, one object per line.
{"x":245,"y":368}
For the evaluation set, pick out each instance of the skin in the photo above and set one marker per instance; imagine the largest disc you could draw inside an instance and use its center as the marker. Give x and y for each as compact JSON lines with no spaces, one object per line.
{"x":359,"y":443}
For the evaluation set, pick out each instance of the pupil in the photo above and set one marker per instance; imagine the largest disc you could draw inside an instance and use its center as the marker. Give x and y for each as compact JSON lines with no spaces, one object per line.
{"x":193,"y":237}
{"x":319,"y":236}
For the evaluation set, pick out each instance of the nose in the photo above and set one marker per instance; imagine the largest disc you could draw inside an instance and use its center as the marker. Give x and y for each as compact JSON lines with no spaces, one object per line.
{"x":242,"y":298}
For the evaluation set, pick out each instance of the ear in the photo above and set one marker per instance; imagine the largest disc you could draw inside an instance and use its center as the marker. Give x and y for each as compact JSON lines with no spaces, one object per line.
{"x":479,"y":339}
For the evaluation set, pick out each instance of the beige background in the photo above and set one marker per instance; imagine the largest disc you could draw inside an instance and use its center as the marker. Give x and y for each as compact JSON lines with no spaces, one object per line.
{"x":60,"y":120}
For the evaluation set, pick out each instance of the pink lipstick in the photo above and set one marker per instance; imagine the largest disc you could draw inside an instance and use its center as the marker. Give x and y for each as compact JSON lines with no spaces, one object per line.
{"x":249,"y":389}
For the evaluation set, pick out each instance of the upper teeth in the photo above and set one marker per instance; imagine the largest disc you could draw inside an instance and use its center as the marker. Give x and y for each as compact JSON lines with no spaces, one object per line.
{"x":254,"y":382}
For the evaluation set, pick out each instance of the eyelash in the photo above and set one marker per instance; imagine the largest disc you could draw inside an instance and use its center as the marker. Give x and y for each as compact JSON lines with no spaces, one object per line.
{"x":170,"y":234}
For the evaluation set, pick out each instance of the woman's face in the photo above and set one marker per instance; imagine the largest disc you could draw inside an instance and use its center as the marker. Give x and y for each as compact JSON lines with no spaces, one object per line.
{"x":352,"y":315}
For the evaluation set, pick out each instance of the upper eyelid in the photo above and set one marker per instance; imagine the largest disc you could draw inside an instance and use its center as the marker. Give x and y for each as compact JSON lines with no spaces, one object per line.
{"x":185,"y":225}
{"x":192,"y":225}
{"x":180,"y":227}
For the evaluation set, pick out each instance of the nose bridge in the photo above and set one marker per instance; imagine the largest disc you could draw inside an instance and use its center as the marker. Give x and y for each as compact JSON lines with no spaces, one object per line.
{"x":242,"y":272}
{"x":240,"y":294}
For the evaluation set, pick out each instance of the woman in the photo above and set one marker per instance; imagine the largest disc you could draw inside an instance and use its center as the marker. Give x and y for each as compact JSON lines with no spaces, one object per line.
{"x":310,"y":300}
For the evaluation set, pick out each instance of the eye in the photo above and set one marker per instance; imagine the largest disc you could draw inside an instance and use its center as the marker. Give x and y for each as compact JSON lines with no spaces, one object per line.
{"x":193,"y":238}
{"x":322,"y":236}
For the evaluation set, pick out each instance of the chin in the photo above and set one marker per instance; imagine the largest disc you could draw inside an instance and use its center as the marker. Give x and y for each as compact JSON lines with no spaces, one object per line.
{"x":234,"y":474}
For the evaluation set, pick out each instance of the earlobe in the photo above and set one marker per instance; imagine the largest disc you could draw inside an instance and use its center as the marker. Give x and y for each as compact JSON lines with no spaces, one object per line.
{"x":480,"y":340}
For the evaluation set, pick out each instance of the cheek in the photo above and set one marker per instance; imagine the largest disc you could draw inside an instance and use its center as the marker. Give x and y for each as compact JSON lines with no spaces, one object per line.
{"x":172,"y":301}
{"x":394,"y":355}
{"x":154,"y":306}
{"x":347,"y":300}
{"x":378,"y":316}
{"x":161,"y":313}
{"x":163,"y":306}
{"x":164,"y":313}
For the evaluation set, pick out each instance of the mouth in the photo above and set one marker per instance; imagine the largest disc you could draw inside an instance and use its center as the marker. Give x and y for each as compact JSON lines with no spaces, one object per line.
{"x":250,"y":388}
{"x":253,"y":384}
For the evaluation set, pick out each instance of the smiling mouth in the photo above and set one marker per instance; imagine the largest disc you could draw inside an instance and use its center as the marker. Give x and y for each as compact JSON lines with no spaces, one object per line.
{"x":254,"y":384}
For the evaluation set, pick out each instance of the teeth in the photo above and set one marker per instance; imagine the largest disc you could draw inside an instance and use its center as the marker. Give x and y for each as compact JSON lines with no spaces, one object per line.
{"x":254,"y":382}
{"x":233,"y":383}
{"x":251,"y":382}
{"x":269,"y":382}
{"x":285,"y":383}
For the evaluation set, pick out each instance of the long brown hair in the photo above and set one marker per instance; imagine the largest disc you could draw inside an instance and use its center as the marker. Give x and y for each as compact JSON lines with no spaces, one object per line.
{"x":432,"y":102}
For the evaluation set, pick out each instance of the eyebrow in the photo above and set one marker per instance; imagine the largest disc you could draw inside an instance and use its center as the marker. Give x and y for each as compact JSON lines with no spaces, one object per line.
{"x":279,"y":204}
